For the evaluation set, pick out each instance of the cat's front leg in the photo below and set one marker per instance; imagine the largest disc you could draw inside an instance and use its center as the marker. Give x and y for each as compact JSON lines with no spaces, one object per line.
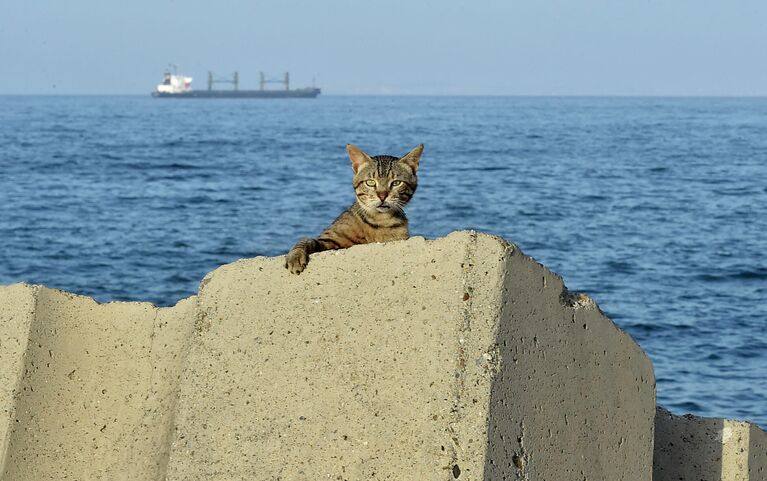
{"x":298,"y":257}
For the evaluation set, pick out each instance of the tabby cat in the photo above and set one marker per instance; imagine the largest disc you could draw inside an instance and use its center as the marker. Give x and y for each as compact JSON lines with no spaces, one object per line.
{"x":384,"y":184}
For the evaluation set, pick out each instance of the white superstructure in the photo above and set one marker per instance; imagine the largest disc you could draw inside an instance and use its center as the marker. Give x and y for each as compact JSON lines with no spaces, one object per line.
{"x":174,"y":84}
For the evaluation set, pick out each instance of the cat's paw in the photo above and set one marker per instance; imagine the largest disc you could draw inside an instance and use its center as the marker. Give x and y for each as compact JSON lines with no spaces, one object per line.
{"x":296,"y":260}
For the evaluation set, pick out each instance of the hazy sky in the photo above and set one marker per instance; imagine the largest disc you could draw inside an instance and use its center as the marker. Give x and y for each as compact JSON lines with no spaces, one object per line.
{"x":532,"y":47}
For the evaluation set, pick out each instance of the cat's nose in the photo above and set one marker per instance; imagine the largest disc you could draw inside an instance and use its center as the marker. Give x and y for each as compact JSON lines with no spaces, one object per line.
{"x":382,"y":195}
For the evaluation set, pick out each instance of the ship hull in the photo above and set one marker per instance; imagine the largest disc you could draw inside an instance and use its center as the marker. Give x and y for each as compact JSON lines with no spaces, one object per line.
{"x":241,"y":94}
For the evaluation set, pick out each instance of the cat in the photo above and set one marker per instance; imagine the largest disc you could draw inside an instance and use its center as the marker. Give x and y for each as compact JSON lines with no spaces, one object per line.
{"x":384,"y":185}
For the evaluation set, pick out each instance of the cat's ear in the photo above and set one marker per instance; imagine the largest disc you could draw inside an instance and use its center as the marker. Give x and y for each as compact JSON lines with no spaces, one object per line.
{"x":357,"y":156}
{"x":413,"y":157}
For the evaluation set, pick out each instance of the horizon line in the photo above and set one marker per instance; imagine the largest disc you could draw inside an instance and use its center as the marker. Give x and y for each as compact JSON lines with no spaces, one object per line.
{"x":520,"y":95}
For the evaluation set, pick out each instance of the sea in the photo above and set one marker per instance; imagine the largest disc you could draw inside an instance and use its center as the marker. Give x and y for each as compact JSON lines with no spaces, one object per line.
{"x":655,"y":207}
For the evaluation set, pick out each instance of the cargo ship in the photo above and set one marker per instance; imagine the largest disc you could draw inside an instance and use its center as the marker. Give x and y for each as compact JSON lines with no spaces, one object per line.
{"x":179,"y":86}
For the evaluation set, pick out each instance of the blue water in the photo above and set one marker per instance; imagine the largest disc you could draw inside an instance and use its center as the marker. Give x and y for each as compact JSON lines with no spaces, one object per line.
{"x":654,"y":206}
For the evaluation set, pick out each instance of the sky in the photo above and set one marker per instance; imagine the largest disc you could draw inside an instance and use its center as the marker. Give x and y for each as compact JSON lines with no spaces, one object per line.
{"x":398,"y":47}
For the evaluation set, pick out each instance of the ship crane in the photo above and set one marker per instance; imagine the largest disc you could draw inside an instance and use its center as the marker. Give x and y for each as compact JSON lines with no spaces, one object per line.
{"x":285,"y":81}
{"x":235,"y":80}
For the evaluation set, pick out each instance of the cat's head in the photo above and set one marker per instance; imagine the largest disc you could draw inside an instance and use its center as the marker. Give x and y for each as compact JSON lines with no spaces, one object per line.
{"x":384,"y":183}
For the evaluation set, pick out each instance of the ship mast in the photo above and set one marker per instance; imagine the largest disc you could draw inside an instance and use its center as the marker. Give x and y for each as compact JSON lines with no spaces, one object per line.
{"x":284,"y":81}
{"x":235,"y":80}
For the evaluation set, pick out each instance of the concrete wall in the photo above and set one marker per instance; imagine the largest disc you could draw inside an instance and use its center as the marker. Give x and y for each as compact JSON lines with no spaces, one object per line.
{"x":454,"y":359}
{"x":88,"y":389}
{"x":458,"y":358}
{"x":691,"y":448}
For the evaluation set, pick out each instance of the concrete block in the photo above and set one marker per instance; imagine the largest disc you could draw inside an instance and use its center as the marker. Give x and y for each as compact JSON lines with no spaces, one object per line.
{"x":96,"y":394}
{"x":458,"y":358}
{"x":17,"y":309}
{"x":691,"y":448}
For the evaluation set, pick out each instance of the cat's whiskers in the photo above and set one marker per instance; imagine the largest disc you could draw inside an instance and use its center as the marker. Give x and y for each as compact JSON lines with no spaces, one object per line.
{"x":368,"y":209}
{"x":397,"y":204}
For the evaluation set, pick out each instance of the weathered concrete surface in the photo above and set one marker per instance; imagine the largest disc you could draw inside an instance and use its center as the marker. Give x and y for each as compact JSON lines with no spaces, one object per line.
{"x":691,"y":448}
{"x":458,"y":358}
{"x":93,"y":393}
{"x":17,"y":308}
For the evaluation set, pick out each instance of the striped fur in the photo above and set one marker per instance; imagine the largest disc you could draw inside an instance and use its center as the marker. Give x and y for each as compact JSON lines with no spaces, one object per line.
{"x":383,"y":185}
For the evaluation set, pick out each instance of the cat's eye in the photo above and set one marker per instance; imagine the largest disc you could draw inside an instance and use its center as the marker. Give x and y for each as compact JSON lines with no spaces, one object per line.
{"x":370,"y":182}
{"x":395,"y":183}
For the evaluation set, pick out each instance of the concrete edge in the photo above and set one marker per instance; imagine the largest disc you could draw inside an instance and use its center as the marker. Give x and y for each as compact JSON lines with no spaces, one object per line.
{"x":716,"y":449}
{"x":12,"y":389}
